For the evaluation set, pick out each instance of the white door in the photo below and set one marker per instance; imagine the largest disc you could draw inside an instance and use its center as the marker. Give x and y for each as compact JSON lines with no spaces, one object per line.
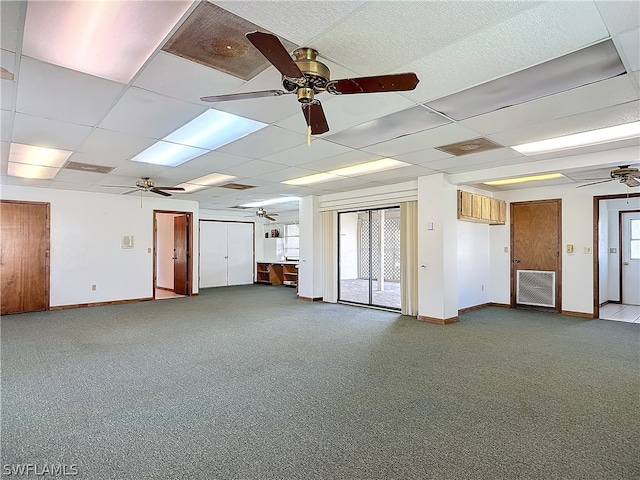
{"x":213,"y":254}
{"x":240,"y":266}
{"x":631,"y":258}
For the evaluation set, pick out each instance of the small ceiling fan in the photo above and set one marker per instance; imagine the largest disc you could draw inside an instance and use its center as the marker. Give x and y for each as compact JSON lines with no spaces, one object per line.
{"x":624,"y":174}
{"x":305,"y":76}
{"x":145,"y":184}
{"x":262,"y":213}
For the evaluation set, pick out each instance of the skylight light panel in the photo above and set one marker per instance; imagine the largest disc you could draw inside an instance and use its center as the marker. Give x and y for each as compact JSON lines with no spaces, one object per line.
{"x":205,"y":182}
{"x":213,"y":129}
{"x":108,"y":39}
{"x":168,"y":154}
{"x":316,"y":178}
{"x":273,"y":201}
{"x":42,"y":156}
{"x":24,"y":170}
{"x":534,"y":178}
{"x":369,"y":167}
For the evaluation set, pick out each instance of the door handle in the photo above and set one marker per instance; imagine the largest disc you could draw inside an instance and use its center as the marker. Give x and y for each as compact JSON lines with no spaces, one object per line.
{"x":516,"y":261}
{"x":625,"y":263}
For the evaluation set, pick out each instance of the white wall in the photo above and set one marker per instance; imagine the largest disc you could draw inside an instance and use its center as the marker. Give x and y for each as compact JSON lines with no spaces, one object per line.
{"x":164,"y":251}
{"x":310,"y":269}
{"x":85,"y":243}
{"x":473,"y":264}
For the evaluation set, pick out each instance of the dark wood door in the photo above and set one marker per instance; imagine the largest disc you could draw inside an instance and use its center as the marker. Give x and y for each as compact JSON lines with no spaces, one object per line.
{"x":535,"y":245}
{"x":24,"y":256}
{"x":181,"y":254}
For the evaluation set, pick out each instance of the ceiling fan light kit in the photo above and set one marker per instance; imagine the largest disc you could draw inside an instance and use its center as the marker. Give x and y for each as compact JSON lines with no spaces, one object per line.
{"x":305,"y":76}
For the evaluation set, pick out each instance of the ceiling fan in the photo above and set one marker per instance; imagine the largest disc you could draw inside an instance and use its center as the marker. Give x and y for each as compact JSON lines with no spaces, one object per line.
{"x":305,"y":76}
{"x":145,"y":184}
{"x":624,"y":174}
{"x":262,"y":213}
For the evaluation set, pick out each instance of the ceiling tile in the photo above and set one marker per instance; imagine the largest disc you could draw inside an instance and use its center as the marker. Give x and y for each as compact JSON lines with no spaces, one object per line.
{"x":508,"y":47}
{"x":423,"y":157}
{"x":346,"y":159}
{"x":75,"y":176}
{"x":61,"y":94}
{"x":398,"y":175}
{"x":6,"y":125}
{"x":254,"y":168}
{"x":108,"y":147}
{"x":426,"y":139}
{"x":185,"y":80}
{"x":579,"y":100}
{"x":137,"y":169}
{"x":405,"y":40}
{"x":149,"y":114}
{"x":619,"y":16}
{"x":41,"y":132}
{"x":264,"y":142}
{"x":287,"y":174}
{"x":212,"y":162}
{"x":589,"y":65}
{"x":630,"y":45}
{"x":303,"y":154}
{"x":7,"y":87}
{"x":11,"y":24}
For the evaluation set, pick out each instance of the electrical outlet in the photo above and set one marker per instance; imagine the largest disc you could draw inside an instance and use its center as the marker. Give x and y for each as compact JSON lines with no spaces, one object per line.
{"x":93,"y":287}
{"x":482,"y":288}
{"x":506,"y":249}
{"x":586,"y":250}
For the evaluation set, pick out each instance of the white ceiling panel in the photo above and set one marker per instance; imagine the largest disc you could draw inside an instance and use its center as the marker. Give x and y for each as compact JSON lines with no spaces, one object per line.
{"x":42,"y":132}
{"x":7,"y":87}
{"x":6,"y":125}
{"x":303,"y":154}
{"x":405,"y":39}
{"x":264,"y":142}
{"x":619,"y":16}
{"x":253,"y":168}
{"x":212,"y":162}
{"x":78,"y":177}
{"x":598,"y":95}
{"x":508,"y":47}
{"x":137,"y":169}
{"x":346,"y":159}
{"x":287,"y":174}
{"x":108,"y":147}
{"x":345,"y":183}
{"x":277,"y":16}
{"x":149,"y":114}
{"x":398,"y":174}
{"x":592,"y":120}
{"x":11,"y":24}
{"x":185,"y":80}
{"x":434,"y":137}
{"x":630,"y":45}
{"x":62,"y":94}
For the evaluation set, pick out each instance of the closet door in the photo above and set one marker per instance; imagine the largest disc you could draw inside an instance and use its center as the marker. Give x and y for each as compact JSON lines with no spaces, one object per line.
{"x":240,"y":265}
{"x":213,"y":254}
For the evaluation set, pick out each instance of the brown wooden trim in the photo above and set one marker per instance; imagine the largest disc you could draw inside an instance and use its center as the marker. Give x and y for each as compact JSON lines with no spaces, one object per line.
{"x":501,"y":305}
{"x":439,"y":321}
{"x":189,"y":216}
{"x":579,"y":314}
{"x":310,"y":299}
{"x":100,"y":304}
{"x":165,"y":288}
{"x":474,"y":307}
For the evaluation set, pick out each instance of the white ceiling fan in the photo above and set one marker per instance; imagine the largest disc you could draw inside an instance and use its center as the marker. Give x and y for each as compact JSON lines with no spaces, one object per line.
{"x":623,"y":174}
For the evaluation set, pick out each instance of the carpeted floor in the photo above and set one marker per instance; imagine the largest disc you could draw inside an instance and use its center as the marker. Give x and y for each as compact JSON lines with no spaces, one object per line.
{"x":251,"y":383}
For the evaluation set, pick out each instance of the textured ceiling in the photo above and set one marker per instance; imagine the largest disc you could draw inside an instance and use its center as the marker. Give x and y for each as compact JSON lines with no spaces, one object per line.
{"x":464,"y":53}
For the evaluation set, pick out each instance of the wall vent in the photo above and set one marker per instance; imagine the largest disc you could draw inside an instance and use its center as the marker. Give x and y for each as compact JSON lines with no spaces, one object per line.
{"x":535,"y":287}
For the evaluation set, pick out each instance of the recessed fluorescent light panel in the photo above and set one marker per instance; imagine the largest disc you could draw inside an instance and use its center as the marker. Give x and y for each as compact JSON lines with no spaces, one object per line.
{"x":508,"y":181}
{"x":204,"y":133}
{"x":272,"y":201}
{"x":27,"y":161}
{"x":589,"y":65}
{"x":584,"y":139}
{"x":204,"y":182}
{"x":107,"y":39}
{"x":352,"y":171}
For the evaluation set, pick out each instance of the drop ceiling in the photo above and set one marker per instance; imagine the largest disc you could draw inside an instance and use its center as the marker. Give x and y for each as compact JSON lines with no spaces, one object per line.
{"x":471,"y":58}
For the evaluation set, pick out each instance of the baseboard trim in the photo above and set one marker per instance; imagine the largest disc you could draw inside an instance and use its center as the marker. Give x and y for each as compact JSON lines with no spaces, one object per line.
{"x":166,"y":288}
{"x":439,"y":321}
{"x":474,"y":307}
{"x":577,"y":314}
{"x":500,"y":305}
{"x":99,"y":304}
{"x":310,"y":299}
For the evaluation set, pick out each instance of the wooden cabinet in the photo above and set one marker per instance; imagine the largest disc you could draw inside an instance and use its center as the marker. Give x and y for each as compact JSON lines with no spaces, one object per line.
{"x":290,"y":273}
{"x":270,"y":273}
{"x":478,"y":208}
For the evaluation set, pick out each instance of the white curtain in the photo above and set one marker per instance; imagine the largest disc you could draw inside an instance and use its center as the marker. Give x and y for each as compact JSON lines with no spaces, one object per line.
{"x":409,"y":258}
{"x":330,"y":256}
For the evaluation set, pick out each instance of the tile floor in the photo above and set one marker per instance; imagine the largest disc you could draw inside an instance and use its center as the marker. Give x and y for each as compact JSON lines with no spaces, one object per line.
{"x":620,"y":312}
{"x":162,"y":294}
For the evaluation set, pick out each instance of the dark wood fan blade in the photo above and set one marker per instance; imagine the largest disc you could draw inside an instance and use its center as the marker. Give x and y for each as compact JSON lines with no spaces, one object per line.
{"x":269,"y":217}
{"x":159,"y":192}
{"x":314,"y":116}
{"x":176,"y":189}
{"x":382,"y":83}
{"x":632,"y":182}
{"x":116,"y":186}
{"x":595,"y":183}
{"x":274,"y":51}
{"x":243,"y":96}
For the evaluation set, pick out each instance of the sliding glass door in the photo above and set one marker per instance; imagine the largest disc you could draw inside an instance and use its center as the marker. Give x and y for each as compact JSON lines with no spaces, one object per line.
{"x":369,"y":257}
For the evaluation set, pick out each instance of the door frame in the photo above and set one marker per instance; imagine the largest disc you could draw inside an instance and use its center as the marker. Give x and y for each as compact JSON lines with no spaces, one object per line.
{"x":189,"y":216}
{"x":512,"y":268}
{"x":620,"y":246}
{"x":596,"y":247}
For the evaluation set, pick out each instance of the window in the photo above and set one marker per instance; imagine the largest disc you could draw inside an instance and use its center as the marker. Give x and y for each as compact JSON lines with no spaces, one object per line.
{"x":292,"y":241}
{"x":634,"y":242}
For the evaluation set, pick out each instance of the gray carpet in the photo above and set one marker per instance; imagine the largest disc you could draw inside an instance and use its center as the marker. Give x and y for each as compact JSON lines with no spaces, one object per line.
{"x":250,"y":383}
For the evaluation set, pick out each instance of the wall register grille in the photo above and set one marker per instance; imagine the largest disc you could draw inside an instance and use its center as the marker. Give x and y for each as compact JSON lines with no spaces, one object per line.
{"x":535,"y":287}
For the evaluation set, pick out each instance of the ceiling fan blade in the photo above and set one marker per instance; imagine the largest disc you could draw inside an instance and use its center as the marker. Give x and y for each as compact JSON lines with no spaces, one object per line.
{"x":632,"y":182}
{"x":159,"y":192}
{"x":117,"y":186}
{"x":314,"y":115}
{"x":595,"y":183}
{"x":176,"y":189}
{"x":381,"y":83}
{"x":269,"y":217}
{"x":243,"y":96}
{"x":274,"y":51}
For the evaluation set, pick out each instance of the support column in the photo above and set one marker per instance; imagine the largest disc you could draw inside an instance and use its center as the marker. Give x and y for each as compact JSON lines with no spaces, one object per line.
{"x":310,"y":266}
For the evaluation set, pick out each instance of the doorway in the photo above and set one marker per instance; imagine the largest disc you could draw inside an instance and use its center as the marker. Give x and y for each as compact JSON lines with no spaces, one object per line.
{"x":369,"y":257}
{"x":535,"y":255}
{"x":173,"y":263}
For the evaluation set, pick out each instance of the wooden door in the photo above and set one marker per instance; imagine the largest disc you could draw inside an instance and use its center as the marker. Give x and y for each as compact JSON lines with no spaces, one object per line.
{"x":536,"y":244}
{"x":181,"y":254}
{"x":24,"y":256}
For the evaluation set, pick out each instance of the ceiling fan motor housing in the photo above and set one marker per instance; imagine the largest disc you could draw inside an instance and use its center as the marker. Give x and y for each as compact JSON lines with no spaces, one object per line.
{"x":145,"y":183}
{"x":316,"y":75}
